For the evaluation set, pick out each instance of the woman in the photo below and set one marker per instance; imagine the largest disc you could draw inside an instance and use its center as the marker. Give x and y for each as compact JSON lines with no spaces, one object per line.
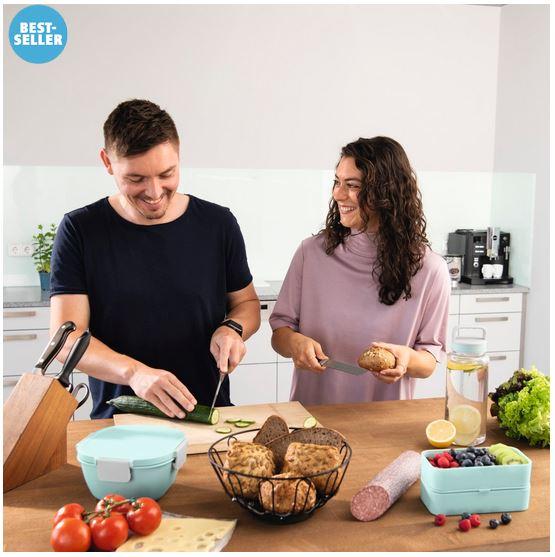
{"x":369,"y":275}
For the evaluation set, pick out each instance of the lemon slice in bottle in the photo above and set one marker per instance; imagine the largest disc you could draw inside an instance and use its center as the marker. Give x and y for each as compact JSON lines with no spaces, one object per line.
{"x":467,"y":421}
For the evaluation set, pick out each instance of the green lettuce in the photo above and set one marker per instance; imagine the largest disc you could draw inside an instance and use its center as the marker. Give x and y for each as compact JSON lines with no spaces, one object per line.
{"x":522,"y":406}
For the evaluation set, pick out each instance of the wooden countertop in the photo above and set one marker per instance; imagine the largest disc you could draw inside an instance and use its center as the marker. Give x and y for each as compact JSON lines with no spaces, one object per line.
{"x":377,"y":432}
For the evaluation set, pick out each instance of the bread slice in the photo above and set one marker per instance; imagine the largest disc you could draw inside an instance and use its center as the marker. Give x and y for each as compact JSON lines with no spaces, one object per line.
{"x":275,"y":426}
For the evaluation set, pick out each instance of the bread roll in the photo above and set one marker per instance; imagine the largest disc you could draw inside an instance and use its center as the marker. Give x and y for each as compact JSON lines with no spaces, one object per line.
{"x":248,"y":458}
{"x":287,"y":496}
{"x":377,"y":359}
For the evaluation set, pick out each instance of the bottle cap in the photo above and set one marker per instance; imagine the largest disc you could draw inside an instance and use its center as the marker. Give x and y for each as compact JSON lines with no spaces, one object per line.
{"x":474,"y":345}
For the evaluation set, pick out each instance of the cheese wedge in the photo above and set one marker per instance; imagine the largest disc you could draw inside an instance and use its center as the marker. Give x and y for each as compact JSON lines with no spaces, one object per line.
{"x":183,"y":534}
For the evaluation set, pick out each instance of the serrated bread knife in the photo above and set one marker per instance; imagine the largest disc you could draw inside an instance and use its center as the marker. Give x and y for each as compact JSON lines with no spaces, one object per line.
{"x":341,"y":366}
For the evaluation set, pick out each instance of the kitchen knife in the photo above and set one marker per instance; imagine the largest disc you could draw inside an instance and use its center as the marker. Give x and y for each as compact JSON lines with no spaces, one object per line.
{"x":76,"y":353}
{"x":347,"y":368}
{"x":54,"y":346}
{"x":222,"y":377}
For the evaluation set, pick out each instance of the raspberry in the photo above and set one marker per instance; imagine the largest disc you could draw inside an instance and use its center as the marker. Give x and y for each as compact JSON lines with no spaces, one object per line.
{"x":454,"y":464}
{"x":432,"y":462}
{"x":474,"y":520}
{"x":448,"y":457}
{"x":443,"y":462}
{"x":465,"y":525}
{"x":439,"y":520}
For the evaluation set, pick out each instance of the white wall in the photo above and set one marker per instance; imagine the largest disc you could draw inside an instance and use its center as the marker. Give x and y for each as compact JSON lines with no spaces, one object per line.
{"x":522,"y":145}
{"x":262,"y":86}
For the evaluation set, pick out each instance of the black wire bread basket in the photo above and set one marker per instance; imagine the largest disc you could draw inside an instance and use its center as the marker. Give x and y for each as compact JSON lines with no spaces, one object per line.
{"x":279,"y":498}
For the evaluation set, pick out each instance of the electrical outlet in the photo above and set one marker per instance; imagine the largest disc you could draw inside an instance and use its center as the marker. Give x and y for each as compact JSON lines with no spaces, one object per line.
{"x":27,"y":250}
{"x":13,"y":250}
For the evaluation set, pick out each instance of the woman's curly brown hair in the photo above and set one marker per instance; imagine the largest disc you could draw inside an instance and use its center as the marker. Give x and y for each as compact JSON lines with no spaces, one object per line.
{"x":390,"y":192}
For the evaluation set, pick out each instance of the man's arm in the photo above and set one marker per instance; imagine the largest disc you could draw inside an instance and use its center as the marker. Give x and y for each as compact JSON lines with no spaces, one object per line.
{"x":227,"y":347}
{"x":160,"y":387}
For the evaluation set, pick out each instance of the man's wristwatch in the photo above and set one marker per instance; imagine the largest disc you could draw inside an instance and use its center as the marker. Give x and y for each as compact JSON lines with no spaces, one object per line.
{"x":237,"y":327}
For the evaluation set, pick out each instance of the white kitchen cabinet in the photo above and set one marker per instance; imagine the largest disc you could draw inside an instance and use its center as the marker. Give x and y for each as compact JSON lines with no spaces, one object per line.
{"x":433,"y":386}
{"x":501,"y":366}
{"x":502,"y":329}
{"x":284,"y":380}
{"x":253,"y":384}
{"x":491,"y":303}
{"x":259,"y":345}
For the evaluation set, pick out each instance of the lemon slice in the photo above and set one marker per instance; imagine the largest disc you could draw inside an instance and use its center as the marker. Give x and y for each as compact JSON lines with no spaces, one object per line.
{"x":440,"y":433}
{"x":463,"y":367}
{"x":467,"y":421}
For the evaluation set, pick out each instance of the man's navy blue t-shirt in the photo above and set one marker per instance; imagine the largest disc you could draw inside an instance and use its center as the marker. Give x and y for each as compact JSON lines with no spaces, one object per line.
{"x":156,"y":293}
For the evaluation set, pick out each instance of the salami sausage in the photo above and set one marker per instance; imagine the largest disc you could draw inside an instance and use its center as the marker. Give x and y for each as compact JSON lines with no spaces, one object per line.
{"x":385,"y":488}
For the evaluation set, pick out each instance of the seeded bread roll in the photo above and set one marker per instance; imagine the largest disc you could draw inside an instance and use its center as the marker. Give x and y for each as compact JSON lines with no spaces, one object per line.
{"x":377,"y":359}
{"x":282,"y":496}
{"x":303,"y":459}
{"x":248,"y":458}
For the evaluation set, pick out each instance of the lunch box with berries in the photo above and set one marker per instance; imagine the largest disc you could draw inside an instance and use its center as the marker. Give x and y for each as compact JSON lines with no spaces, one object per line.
{"x":476,"y":489}
{"x":132,"y":460}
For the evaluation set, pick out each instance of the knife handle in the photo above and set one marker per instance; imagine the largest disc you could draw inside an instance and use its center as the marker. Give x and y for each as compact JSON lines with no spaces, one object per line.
{"x":54,"y":346}
{"x":76,"y":353}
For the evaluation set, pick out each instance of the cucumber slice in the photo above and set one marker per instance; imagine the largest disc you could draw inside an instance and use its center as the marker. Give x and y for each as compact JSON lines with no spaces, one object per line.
{"x":243,"y":424}
{"x":233,"y":420}
{"x":223,"y":430}
{"x":309,"y":422}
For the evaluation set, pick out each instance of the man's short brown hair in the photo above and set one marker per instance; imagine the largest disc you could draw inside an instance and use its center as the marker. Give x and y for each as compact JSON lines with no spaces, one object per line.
{"x":136,"y":126}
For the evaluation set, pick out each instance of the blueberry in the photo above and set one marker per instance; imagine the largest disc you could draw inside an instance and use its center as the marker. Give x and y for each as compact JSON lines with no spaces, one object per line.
{"x":471,"y":450}
{"x":478,"y":463}
{"x":453,"y":453}
{"x":493,"y":523}
{"x":465,"y":516}
{"x":486,"y":460}
{"x":472,"y":456}
{"x":506,"y":518}
{"x":467,"y":462}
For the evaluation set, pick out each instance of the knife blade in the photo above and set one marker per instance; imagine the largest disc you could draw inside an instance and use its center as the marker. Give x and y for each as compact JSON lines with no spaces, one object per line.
{"x":54,"y":346}
{"x":76,"y":353}
{"x":222,"y":377}
{"x":341,"y":366}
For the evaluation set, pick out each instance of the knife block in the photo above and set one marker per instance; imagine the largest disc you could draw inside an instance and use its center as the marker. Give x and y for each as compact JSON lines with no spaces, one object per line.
{"x":35,"y":428}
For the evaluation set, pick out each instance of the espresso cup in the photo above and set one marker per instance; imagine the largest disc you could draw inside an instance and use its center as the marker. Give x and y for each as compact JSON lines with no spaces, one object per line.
{"x":487,"y":271}
{"x":497,"y":271}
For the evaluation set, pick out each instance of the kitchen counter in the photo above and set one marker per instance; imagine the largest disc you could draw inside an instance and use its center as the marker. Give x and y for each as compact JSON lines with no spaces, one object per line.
{"x":32,"y":296}
{"x":377,"y":432}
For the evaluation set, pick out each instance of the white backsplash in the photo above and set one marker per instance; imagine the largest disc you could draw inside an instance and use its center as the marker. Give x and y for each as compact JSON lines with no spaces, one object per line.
{"x":276,"y":209}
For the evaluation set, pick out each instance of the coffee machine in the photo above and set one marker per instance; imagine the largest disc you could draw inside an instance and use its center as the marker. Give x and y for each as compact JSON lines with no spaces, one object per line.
{"x":489,"y":247}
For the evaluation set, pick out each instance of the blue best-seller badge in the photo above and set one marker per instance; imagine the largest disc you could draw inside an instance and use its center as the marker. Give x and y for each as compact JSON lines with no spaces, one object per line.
{"x":38,"y":34}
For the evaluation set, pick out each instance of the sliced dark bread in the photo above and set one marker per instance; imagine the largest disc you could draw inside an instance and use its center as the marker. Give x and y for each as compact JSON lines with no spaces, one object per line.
{"x":314,"y":435}
{"x":274,"y":427}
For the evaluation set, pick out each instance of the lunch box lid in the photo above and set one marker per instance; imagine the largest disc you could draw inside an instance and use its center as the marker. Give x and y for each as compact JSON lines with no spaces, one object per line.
{"x":138,"y":445}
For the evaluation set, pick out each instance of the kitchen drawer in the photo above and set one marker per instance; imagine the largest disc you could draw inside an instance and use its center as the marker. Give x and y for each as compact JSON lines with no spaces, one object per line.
{"x":452,"y":322}
{"x":26,"y":318}
{"x":22,"y":349}
{"x":253,"y":384}
{"x":284,"y":380}
{"x":83,"y":413}
{"x":491,"y":303}
{"x":454,"y":304}
{"x":501,"y":367}
{"x":259,"y":346}
{"x":502,"y":329}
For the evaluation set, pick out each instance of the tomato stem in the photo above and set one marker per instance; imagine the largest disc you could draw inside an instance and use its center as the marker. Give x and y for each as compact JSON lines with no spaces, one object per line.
{"x":107,"y":510}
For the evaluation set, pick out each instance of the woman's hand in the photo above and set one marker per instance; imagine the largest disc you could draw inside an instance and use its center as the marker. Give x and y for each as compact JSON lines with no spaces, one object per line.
{"x":402,"y":356}
{"x":306,"y":352}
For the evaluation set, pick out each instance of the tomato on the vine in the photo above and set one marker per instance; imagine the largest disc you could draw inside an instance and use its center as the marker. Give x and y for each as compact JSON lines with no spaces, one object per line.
{"x":110,"y":499}
{"x":72,"y":510}
{"x":108,"y":533}
{"x":145,"y":516}
{"x":71,"y":534}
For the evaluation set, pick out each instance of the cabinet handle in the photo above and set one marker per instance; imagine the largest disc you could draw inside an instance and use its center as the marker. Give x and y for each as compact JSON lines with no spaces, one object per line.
{"x":490,"y":319}
{"x":20,"y":314}
{"x":497,"y":358}
{"x":10,"y":381}
{"x":502,"y":299}
{"x":263,"y":306}
{"x":8,"y":338}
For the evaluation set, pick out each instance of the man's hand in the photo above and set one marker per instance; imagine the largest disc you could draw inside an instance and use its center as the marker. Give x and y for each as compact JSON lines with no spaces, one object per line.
{"x":402,"y":356}
{"x":306,"y":352}
{"x":228,"y":349}
{"x":163,"y":389}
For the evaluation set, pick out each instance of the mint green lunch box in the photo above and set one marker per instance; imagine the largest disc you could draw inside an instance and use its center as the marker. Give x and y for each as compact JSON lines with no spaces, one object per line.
{"x":484,"y":489}
{"x":132,"y":460}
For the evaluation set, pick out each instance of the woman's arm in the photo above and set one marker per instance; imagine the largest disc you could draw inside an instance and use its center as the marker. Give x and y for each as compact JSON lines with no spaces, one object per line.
{"x":304,"y":350}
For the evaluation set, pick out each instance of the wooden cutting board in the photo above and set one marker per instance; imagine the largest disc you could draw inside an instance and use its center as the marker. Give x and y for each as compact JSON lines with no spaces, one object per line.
{"x":201,"y":436}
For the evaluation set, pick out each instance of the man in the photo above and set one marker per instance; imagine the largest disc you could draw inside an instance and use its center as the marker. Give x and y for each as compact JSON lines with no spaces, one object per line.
{"x":160,"y":278}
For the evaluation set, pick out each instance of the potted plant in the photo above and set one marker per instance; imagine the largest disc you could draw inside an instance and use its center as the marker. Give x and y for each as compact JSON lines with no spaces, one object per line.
{"x":42,"y":252}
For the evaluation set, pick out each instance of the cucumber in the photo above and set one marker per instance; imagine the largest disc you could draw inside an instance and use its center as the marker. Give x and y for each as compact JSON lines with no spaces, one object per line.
{"x":223,"y":430}
{"x":137,"y":405}
{"x":233,"y":420}
{"x":309,"y":422}
{"x":243,"y":424}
